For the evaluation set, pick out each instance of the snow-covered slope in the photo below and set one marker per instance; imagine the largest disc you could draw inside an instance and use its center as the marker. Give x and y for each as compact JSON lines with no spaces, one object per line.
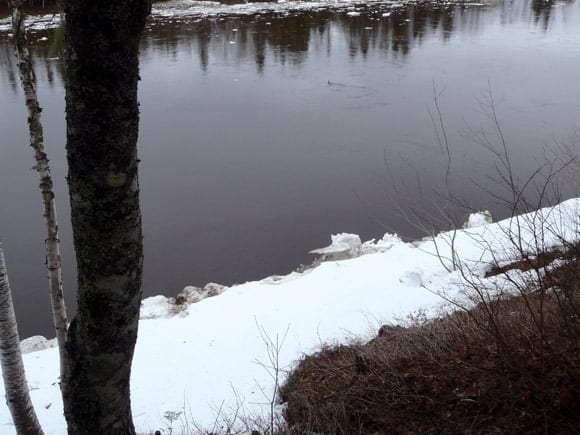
{"x":211,"y":358}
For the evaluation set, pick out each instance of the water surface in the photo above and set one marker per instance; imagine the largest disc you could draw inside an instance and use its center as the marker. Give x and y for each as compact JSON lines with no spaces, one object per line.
{"x":263,"y":133}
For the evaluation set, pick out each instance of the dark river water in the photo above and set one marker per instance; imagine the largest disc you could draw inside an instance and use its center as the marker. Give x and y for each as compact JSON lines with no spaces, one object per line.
{"x":264,"y":133}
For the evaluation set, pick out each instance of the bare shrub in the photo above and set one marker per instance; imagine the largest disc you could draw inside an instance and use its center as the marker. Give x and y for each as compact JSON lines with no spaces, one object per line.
{"x":492,"y":369}
{"x":507,"y":360}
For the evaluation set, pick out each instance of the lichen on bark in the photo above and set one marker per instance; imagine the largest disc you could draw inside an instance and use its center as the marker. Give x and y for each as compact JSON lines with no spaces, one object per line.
{"x":102,"y":46}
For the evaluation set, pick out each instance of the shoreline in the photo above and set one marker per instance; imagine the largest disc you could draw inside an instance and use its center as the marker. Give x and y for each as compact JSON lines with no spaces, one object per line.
{"x":187,"y":10}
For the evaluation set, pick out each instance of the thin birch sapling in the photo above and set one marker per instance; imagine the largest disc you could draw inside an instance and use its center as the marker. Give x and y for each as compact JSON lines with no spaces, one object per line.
{"x":52,"y":241}
{"x":15,"y":385}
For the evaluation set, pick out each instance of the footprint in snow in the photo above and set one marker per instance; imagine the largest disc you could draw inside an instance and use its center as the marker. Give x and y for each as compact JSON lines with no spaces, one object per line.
{"x":412,"y":278}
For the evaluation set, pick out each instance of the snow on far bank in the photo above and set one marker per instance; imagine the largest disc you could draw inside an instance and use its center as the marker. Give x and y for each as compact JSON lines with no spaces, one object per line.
{"x":187,"y":9}
{"x":196,"y":8}
{"x":210,"y":360}
{"x":34,"y":23}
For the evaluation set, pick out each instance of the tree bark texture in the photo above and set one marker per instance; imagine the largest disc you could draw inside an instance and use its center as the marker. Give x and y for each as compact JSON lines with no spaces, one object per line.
{"x":102,"y":71}
{"x":15,"y":385}
{"x":52,"y":241}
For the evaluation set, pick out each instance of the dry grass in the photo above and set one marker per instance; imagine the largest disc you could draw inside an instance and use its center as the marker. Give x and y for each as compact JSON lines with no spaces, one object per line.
{"x":507,"y":366}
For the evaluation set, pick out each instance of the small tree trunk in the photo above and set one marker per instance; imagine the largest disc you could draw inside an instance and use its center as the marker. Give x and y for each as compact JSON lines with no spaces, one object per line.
{"x":52,"y":242}
{"x":102,"y":68}
{"x":15,"y":385}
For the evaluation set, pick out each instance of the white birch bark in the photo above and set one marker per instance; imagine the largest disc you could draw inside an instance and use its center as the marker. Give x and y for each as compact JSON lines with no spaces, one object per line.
{"x":52,"y":241}
{"x":15,"y":385}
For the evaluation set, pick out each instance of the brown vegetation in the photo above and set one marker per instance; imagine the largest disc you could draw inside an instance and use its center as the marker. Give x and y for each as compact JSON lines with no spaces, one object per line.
{"x":506,"y":366}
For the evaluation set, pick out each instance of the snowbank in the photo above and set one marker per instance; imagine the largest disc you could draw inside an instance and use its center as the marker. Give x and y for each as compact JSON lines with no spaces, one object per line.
{"x":212,"y":360}
{"x":36,"y":343}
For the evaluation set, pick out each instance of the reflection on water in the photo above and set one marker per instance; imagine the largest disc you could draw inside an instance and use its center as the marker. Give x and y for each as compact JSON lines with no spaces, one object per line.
{"x":542,"y":11}
{"x":262,"y":134}
{"x":394,"y":30}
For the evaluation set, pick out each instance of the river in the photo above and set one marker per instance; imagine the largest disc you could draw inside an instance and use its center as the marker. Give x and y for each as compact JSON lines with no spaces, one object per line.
{"x":263,"y":131}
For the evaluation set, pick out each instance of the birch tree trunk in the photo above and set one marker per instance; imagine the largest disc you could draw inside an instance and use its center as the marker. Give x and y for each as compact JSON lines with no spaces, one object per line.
{"x":15,"y":385}
{"x":52,"y":241}
{"x":102,"y":70}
